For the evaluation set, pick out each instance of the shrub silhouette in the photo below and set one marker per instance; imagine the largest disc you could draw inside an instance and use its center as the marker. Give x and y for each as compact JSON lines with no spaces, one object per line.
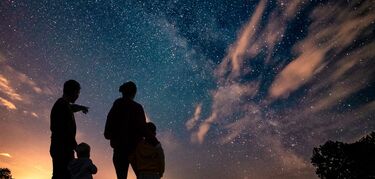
{"x":342,"y":160}
{"x":5,"y":173}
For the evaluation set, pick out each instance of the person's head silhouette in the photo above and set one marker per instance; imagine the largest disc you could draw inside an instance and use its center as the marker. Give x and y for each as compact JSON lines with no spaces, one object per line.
{"x":128,"y":89}
{"x":83,"y":150}
{"x":71,"y":90}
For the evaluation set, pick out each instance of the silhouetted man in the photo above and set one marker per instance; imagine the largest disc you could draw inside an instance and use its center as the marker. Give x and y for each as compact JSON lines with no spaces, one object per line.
{"x":125,"y":127}
{"x":63,"y":128}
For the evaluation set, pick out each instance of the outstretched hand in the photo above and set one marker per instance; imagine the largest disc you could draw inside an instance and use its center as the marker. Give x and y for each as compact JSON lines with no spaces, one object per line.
{"x":77,"y":108}
{"x":85,"y":109}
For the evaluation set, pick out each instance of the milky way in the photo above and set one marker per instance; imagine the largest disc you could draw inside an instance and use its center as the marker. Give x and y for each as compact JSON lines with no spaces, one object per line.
{"x":237,"y":89}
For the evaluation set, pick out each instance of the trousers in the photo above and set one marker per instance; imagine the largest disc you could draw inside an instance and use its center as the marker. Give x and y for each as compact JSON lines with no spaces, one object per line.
{"x":121,"y":163}
{"x":60,"y":162}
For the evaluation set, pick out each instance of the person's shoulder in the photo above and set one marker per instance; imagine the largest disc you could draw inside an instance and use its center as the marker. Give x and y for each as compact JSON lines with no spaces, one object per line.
{"x":118,"y":100}
{"x":130,"y":103}
{"x":133,"y":104}
{"x":137,"y":104}
{"x":60,"y":103}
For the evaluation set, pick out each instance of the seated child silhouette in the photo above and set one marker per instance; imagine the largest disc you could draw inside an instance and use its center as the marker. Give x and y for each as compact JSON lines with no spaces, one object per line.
{"x":149,"y":159}
{"x":82,"y":167}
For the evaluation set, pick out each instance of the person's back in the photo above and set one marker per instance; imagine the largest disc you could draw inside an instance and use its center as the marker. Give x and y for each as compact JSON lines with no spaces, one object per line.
{"x":82,"y":167}
{"x":63,"y":126}
{"x":149,"y":159}
{"x":124,"y":124}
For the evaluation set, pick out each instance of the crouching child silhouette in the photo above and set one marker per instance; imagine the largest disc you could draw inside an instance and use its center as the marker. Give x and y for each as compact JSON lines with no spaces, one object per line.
{"x":82,"y":167}
{"x":148,"y":159}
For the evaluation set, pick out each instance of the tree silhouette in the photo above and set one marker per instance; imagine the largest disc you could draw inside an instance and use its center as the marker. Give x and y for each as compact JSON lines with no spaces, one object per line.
{"x":342,"y":160}
{"x":5,"y":173}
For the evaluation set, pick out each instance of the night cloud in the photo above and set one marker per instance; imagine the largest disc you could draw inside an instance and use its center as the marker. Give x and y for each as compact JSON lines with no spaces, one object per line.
{"x":327,"y":63}
{"x":6,"y":155}
{"x":192,"y":122}
{"x":7,"y":104}
{"x":329,"y":33}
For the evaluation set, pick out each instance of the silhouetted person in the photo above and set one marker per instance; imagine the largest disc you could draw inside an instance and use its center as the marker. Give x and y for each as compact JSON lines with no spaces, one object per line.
{"x":63,"y":128}
{"x":82,"y":167}
{"x":149,"y":159}
{"x":125,"y":127}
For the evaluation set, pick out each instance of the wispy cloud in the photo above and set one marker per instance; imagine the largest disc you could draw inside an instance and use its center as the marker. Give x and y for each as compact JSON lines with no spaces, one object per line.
{"x":17,"y":88}
{"x":341,"y":28}
{"x":8,"y":89}
{"x":323,"y":44}
{"x":238,"y":52}
{"x":227,"y":101}
{"x":199,"y":135}
{"x":6,"y":155}
{"x":192,"y":122}
{"x":255,"y":38}
{"x":333,"y":61}
{"x":346,"y":77}
{"x":7,"y":104}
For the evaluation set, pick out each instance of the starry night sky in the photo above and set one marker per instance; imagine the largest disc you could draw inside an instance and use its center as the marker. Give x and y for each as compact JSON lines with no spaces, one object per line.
{"x":237,"y":89}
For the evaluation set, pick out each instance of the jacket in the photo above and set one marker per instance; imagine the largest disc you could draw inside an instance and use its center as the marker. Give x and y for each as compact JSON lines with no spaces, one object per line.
{"x":149,"y":158}
{"x":126,"y":124}
{"x":82,"y":168}
{"x":63,"y":127}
